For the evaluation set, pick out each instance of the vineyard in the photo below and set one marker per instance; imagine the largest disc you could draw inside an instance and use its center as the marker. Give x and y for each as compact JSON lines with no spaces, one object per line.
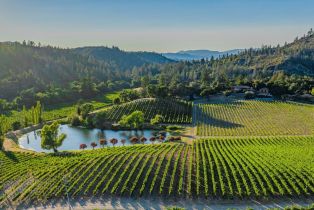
{"x":173,"y":111}
{"x":253,"y":118}
{"x":209,"y":168}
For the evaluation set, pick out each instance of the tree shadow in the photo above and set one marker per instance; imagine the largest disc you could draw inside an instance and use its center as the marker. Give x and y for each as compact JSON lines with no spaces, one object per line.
{"x":209,"y":120}
{"x":11,"y":156}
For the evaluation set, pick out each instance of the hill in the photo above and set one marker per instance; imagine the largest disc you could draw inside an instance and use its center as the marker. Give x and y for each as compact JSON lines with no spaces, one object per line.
{"x":173,"y":111}
{"x":190,"y":55}
{"x":294,"y":58}
{"x":124,"y":60}
{"x":24,"y":66}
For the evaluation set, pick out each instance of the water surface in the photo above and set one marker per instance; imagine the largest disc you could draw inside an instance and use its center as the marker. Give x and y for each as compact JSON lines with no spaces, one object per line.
{"x":79,"y":135}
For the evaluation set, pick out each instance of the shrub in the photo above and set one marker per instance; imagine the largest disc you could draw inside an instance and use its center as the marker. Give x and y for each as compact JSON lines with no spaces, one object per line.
{"x":134,"y":140}
{"x":93,"y":144}
{"x":152,"y":139}
{"x":75,"y":120}
{"x":83,"y":146}
{"x":143,"y":139}
{"x":157,"y":119}
{"x":99,"y":119}
{"x":16,"y":125}
{"x":116,"y":100}
{"x":249,"y":95}
{"x":113,"y":141}
{"x":102,"y":142}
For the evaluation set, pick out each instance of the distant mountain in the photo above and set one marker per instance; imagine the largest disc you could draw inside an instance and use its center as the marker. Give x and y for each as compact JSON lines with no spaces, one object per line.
{"x":123,"y":59}
{"x":199,"y":54}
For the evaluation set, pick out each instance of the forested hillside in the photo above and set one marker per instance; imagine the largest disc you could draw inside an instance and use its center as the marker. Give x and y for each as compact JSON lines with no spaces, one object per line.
{"x":122,"y":59}
{"x":28,"y":68}
{"x":294,"y":58}
{"x":30,"y":72}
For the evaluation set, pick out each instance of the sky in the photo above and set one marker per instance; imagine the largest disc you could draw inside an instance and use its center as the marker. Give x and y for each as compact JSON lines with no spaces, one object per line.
{"x":156,"y":25}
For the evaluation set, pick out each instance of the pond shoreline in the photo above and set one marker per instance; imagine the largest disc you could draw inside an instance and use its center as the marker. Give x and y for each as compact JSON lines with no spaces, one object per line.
{"x":77,"y":137}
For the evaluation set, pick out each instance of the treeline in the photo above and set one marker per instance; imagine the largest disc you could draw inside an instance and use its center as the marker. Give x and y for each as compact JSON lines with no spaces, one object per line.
{"x":53,"y":75}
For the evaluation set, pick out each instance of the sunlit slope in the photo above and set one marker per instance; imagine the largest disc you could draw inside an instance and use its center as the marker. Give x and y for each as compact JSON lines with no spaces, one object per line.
{"x":254,"y":118}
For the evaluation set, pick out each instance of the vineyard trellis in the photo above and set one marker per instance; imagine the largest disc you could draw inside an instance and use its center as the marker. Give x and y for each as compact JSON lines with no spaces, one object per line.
{"x":213,"y":167}
{"x":253,"y":118}
{"x":173,"y":111}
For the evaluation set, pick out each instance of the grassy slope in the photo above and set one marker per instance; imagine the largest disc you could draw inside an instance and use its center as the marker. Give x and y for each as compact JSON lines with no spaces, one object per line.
{"x":217,"y":167}
{"x":63,"y":110}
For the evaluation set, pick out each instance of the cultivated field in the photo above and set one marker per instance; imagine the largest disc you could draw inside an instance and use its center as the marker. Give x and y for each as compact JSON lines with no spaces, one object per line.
{"x":219,"y":168}
{"x":253,"y":118}
{"x":173,"y":111}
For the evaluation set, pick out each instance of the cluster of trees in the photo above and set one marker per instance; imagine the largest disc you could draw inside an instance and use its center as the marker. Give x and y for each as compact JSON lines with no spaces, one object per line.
{"x":52,"y":75}
{"x":80,"y":117}
{"x":127,"y":95}
{"x":134,"y":120}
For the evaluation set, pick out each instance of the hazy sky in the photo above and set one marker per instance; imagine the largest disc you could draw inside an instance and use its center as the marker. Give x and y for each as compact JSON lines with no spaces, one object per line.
{"x":156,"y":25}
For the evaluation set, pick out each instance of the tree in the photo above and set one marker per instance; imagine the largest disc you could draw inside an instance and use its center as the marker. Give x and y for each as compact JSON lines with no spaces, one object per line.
{"x":143,"y":139}
{"x":134,"y":140}
{"x":134,"y":120}
{"x":116,"y":100}
{"x":99,"y":119}
{"x":50,"y":138}
{"x":123,"y":141}
{"x":84,"y":109}
{"x":157,"y":119}
{"x":128,"y":95}
{"x":93,"y":144}
{"x":75,"y":120}
{"x":113,"y":141}
{"x":37,"y":113}
{"x":152,"y":139}
{"x":103,"y":142}
{"x":312,"y":92}
{"x":83,"y":146}
{"x":161,"y":138}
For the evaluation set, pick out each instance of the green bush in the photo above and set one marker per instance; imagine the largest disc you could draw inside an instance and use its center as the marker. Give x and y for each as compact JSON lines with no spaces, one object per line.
{"x":75,"y":120}
{"x":16,"y":125}
{"x":157,"y":119}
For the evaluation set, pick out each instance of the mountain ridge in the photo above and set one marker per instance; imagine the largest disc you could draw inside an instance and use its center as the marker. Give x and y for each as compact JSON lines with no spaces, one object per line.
{"x":189,"y":55}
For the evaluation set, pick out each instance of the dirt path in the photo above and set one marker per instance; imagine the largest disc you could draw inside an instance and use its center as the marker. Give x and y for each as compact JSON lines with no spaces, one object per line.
{"x":155,"y":204}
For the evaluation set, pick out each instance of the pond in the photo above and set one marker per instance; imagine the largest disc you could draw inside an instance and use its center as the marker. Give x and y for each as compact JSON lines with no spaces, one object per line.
{"x":79,"y":135}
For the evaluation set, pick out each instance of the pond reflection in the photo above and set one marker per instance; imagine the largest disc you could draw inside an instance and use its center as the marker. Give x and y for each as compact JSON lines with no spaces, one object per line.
{"x":78,"y":135}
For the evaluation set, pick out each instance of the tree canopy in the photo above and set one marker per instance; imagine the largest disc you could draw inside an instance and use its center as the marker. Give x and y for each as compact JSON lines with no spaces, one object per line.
{"x":134,"y":120}
{"x":50,"y":138}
